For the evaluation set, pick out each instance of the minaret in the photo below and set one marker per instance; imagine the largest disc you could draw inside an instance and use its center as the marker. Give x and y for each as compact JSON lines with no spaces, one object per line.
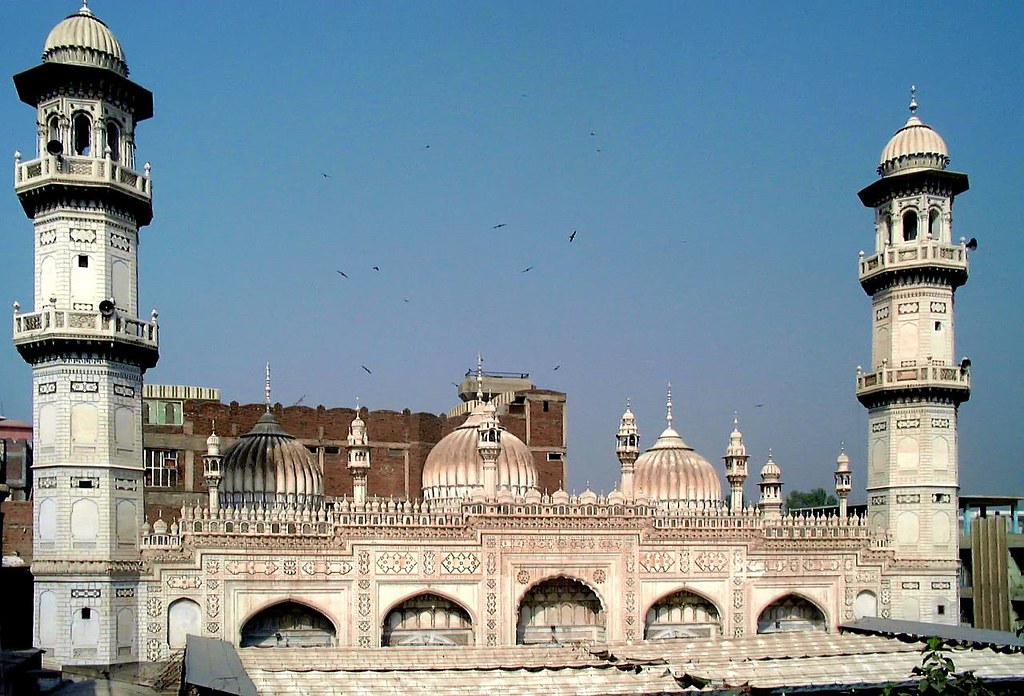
{"x":86,"y":343}
{"x":358,"y":457}
{"x":211,"y":467}
{"x":627,"y":447}
{"x":915,"y":383}
{"x":843,"y":480}
{"x":736,"y":466}
{"x":771,"y":489}
{"x":488,"y":436}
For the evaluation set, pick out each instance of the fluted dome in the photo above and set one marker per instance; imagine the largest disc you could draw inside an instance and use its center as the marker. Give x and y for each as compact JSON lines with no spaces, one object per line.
{"x":914,"y":146}
{"x":83,"y":39}
{"x":454,"y":468}
{"x":267,"y":466}
{"x":672,"y":474}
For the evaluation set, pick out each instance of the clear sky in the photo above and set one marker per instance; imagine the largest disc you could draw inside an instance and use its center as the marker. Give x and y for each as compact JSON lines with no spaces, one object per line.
{"x":707,"y":155}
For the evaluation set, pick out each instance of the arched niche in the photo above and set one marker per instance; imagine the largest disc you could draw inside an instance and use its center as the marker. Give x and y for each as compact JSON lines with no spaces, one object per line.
{"x":125,"y":632}
{"x":127,"y":522}
{"x":184,"y":618}
{"x":791,"y":613}
{"x":866,"y":604}
{"x":124,"y":429}
{"x":288,"y":625}
{"x":121,"y":283}
{"x":47,"y":619}
{"x":682,"y":614}
{"x":908,"y":528}
{"x":84,"y":425}
{"x":85,"y":630}
{"x":427,"y":619}
{"x":560,"y":610}
{"x":47,"y":523}
{"x":47,"y":278}
{"x":85,"y":520}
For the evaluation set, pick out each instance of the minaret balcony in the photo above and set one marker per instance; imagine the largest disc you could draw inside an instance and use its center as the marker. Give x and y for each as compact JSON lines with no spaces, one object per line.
{"x":41,"y":333}
{"x":875,"y":387}
{"x":34,"y":177}
{"x":945,"y":259}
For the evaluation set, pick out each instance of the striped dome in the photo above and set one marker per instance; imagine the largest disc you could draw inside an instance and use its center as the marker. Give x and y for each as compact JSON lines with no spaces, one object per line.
{"x":267,"y":467}
{"x":83,"y":39}
{"x":454,"y":468}
{"x":673,"y":475}
{"x":914,"y":146}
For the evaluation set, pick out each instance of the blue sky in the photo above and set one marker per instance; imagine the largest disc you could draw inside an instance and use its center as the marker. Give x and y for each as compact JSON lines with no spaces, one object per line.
{"x":707,"y":154}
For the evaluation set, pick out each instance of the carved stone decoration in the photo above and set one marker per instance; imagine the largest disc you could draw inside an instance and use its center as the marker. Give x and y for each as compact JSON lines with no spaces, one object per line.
{"x":364,"y":562}
{"x":461,"y":563}
{"x":213,"y":628}
{"x":657,"y":561}
{"x":47,"y":482}
{"x":684,"y":561}
{"x":154,"y":607}
{"x":184,"y":582}
{"x":364,"y":585}
{"x":153,"y":627}
{"x":85,"y":387}
{"x":523,"y":577}
{"x":364,"y":626}
{"x":326,"y":567}
{"x":364,"y":604}
{"x":737,"y":598}
{"x":251,"y":567}
{"x":212,"y":566}
{"x":599,"y":576}
{"x":213,"y":606}
{"x":492,"y":639}
{"x":429,"y":562}
{"x":492,"y":603}
{"x":124,"y":592}
{"x":492,"y":624}
{"x":88,"y":593}
{"x":212,"y":584}
{"x":396,"y":563}
{"x":712,"y":561}
{"x":122,"y":390}
{"x":120,"y":242}
{"x":364,"y":641}
{"x":491,"y":564}
{"x":82,"y":236}
{"x":290,"y":567}
{"x":47,"y":388}
{"x":152,"y":649}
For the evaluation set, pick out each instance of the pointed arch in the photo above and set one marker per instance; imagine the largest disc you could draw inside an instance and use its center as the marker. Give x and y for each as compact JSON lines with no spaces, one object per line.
{"x":792,"y":611}
{"x":427,"y":618}
{"x":560,"y":609}
{"x":682,"y":613}
{"x":288,"y":622}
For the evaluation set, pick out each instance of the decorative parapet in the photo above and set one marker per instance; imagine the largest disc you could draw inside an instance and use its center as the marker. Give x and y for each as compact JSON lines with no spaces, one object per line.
{"x":953,"y":379}
{"x":84,"y":171}
{"x":54,"y":323}
{"x":950,"y":258}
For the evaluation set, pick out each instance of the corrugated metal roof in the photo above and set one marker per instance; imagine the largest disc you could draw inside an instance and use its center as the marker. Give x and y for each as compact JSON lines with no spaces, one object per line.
{"x":961,"y":635}
{"x":214,"y":664}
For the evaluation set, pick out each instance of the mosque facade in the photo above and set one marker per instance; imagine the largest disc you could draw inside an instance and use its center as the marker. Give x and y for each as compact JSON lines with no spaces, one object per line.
{"x":478,"y":553}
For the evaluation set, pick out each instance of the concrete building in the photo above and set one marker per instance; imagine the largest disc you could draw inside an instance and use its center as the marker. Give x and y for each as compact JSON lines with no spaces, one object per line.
{"x":458,"y":543}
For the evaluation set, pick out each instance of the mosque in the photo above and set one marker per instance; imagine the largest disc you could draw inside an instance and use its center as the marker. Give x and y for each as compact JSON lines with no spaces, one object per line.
{"x":476,"y":553}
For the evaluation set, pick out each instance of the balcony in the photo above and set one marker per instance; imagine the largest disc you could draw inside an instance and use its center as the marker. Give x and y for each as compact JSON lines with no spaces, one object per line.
{"x":944,"y":258}
{"x":34,"y":332}
{"x":952,"y":379}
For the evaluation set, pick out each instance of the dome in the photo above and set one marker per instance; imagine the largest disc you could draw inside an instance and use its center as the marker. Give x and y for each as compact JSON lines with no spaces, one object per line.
{"x":83,"y":39}
{"x":454,"y":468}
{"x":913,"y":147}
{"x":770,"y":471}
{"x":672,"y":474}
{"x":266,"y":466}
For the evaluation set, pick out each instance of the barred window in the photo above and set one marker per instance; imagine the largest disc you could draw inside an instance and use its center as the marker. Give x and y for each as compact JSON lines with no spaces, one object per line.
{"x":161,"y":468}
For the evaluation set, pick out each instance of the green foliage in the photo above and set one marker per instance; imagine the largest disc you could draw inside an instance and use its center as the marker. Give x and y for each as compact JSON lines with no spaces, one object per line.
{"x":818,"y":497}
{"x":937,"y":675}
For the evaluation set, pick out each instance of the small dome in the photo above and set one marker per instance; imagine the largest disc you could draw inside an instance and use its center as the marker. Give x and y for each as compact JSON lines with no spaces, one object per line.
{"x":616,"y":497}
{"x":454,"y":468}
{"x":83,"y":39}
{"x":913,"y":147}
{"x":770,"y":471}
{"x":588,"y":497}
{"x":559,"y":497}
{"x":672,"y":474}
{"x":266,"y":466}
{"x":843,"y":462}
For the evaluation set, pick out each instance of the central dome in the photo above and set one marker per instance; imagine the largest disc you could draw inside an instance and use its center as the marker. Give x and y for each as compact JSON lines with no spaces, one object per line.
{"x":83,"y":39}
{"x":267,"y":467}
{"x":914,"y":146}
{"x":454,"y":468}
{"x":672,"y":474}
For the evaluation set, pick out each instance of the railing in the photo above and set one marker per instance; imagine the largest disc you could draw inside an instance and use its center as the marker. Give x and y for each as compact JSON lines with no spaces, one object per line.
{"x":503,"y":399}
{"x":928,"y":375}
{"x":934,"y":253}
{"x":83,"y":170}
{"x":54,"y":322}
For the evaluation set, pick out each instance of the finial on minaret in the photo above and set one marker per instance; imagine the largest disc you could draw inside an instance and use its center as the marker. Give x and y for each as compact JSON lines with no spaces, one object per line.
{"x":266,"y":389}
{"x":479,"y":378}
{"x":627,"y":403}
{"x":736,"y":419}
{"x":913,"y":100}
{"x":357,"y":405}
{"x":842,"y":447}
{"x":213,"y":427}
{"x":668,"y":405}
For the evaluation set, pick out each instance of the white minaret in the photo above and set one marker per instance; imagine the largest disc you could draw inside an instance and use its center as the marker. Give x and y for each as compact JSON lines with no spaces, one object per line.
{"x":771,"y":489}
{"x":844,"y":482}
{"x":85,"y":341}
{"x":736,"y":466}
{"x":627,"y":448}
{"x":211,"y":467}
{"x":358,"y":457}
{"x":915,"y":383}
{"x":488,"y":436}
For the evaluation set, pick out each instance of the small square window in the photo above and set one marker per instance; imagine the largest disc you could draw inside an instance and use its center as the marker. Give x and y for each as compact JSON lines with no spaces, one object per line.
{"x":554,"y":456}
{"x":940,"y":609}
{"x":86,"y":613}
{"x":83,"y":261}
{"x":547,"y":406}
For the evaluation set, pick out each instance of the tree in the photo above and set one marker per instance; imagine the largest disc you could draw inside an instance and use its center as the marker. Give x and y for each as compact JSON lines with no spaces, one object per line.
{"x":818,"y":497}
{"x":937,"y":675}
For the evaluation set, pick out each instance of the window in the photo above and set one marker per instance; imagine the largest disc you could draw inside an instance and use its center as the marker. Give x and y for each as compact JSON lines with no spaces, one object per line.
{"x":113,"y":140}
{"x":158,"y":412}
{"x":909,"y":226}
{"x":54,"y":127}
{"x":547,"y":406}
{"x":82,"y":134}
{"x":86,"y":613}
{"x":161,"y":468}
{"x":940,"y":609}
{"x":83,"y":261}
{"x":933,"y":224}
{"x":888,"y":229}
{"x":554,"y":456}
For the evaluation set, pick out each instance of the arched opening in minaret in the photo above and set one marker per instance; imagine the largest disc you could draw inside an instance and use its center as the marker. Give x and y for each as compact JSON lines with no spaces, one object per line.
{"x":427,"y":620}
{"x":933,"y":224}
{"x":288,"y":625}
{"x":909,"y":226}
{"x":114,"y":140}
{"x":888,"y":230}
{"x":791,"y":613}
{"x":53,"y":128}
{"x":82,"y":134}
{"x":560,"y":610}
{"x":682,"y":614}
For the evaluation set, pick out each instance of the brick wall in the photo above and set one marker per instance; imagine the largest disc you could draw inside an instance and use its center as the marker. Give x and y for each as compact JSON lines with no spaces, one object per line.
{"x":18,"y":528}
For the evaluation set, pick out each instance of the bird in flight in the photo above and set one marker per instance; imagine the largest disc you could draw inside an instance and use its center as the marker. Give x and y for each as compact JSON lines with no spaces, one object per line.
{"x":405,"y":299}
{"x":343,"y":274}
{"x":376,"y":268}
{"x":527,"y":269}
{"x":325,"y":175}
{"x":367,"y":369}
{"x":572,"y":236}
{"x":556,"y":368}
{"x":758,"y":405}
{"x":498,"y":226}
{"x":427,"y":148}
{"x":301,"y":399}
{"x":592,"y":133}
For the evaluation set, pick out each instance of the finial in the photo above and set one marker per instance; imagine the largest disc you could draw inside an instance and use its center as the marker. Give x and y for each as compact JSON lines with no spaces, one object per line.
{"x":913,"y":100}
{"x":668,"y":415}
{"x":213,"y":427}
{"x":266,"y":389}
{"x":770,"y":453}
{"x":736,"y":419}
{"x":479,"y":378}
{"x":357,"y":407}
{"x":842,"y":448}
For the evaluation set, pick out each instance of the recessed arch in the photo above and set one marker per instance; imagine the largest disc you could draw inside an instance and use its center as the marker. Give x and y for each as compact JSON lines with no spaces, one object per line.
{"x":184,"y":618}
{"x":560,"y":609}
{"x":910,"y":226}
{"x":427,"y":618}
{"x":682,"y":613}
{"x":288,"y":623}
{"x":866,"y":604}
{"x":934,"y":222}
{"x":81,"y":126}
{"x":792,"y":612}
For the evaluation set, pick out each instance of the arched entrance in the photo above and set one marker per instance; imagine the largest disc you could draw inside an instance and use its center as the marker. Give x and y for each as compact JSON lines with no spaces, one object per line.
{"x":288,"y":625}
{"x":427,"y":619}
{"x":682,"y":614}
{"x":560,"y":610}
{"x":791,"y":613}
